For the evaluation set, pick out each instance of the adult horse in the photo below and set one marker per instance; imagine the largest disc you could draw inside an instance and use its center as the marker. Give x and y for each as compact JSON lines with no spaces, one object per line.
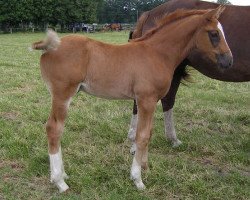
{"x":236,"y":25}
{"x":140,"y":70}
{"x":113,"y":27}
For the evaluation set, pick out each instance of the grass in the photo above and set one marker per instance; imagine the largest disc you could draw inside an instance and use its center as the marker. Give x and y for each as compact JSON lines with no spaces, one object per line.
{"x":212,"y":120}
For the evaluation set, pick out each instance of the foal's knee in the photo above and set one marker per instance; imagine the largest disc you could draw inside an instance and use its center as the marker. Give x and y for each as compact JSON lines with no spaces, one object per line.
{"x":142,"y":141}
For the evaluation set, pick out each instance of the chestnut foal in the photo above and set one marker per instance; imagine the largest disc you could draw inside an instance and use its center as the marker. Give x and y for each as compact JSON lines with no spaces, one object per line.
{"x":140,"y":70}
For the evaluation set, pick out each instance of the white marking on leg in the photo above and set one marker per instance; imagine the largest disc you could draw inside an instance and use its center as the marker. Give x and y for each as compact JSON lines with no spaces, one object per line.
{"x":57,"y":171}
{"x":169,"y":128}
{"x":132,"y":128}
{"x":65,"y":176}
{"x":132,"y":133}
{"x":136,"y":174}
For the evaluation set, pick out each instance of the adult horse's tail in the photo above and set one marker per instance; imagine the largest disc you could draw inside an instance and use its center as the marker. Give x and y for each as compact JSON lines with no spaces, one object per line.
{"x":51,"y":42}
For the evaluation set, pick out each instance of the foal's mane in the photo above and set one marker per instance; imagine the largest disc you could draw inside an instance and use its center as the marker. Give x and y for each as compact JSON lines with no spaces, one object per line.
{"x":170,"y":18}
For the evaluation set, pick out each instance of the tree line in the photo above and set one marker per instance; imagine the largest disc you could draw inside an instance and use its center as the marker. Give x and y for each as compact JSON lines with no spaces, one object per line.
{"x":40,"y":13}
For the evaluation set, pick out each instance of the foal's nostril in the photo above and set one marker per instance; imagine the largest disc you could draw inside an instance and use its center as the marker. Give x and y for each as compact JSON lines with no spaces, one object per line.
{"x":224,"y":60}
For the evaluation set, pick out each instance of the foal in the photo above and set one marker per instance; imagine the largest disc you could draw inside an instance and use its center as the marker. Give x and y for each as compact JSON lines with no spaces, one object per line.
{"x":140,"y":70}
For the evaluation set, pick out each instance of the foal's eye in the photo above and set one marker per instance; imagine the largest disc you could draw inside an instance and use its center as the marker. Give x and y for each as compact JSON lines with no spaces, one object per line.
{"x":214,"y":37}
{"x":214,"y":34}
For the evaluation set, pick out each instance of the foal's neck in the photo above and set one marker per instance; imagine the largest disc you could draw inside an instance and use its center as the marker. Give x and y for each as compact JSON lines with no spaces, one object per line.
{"x":176,"y":40}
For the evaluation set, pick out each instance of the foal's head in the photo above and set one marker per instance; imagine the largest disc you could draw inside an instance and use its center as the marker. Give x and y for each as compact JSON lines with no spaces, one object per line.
{"x":211,"y":41}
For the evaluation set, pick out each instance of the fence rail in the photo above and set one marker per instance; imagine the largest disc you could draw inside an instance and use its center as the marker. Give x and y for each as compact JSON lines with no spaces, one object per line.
{"x":87,"y":28}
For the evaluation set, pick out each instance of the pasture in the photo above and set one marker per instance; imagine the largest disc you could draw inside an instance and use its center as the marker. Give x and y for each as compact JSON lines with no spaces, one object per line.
{"x":212,"y":119}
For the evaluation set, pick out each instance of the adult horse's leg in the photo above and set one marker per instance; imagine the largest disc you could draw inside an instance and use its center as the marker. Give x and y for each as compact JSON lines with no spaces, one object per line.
{"x":54,"y":128}
{"x":146,"y":108}
{"x":134,"y":119}
{"x":168,"y":103}
{"x":132,"y":129}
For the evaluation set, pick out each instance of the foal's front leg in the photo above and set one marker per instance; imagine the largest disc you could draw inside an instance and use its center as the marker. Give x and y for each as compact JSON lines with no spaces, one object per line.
{"x":54,"y":130}
{"x":145,"y":120}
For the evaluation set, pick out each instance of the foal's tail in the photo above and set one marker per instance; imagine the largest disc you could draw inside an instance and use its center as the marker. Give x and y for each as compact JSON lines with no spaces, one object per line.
{"x":51,"y":42}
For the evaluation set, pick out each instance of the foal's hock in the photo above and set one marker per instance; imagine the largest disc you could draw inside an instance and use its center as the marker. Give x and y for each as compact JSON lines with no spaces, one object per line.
{"x":140,"y":70}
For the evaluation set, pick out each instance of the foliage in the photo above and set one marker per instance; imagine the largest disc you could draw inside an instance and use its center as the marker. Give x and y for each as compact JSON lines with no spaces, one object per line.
{"x":125,"y":11}
{"x":15,"y":13}
{"x":224,"y":2}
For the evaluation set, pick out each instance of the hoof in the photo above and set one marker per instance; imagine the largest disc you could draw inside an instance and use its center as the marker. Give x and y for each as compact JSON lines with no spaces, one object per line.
{"x":140,"y":186}
{"x":138,"y":183}
{"x":177,"y":143}
{"x":62,"y":186}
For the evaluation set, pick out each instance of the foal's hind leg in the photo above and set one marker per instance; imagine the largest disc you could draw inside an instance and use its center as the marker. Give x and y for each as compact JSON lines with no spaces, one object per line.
{"x":145,"y":120}
{"x":54,"y":128}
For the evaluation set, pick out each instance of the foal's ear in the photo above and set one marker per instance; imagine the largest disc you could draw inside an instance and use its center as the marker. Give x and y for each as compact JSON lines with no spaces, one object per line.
{"x":215,"y":13}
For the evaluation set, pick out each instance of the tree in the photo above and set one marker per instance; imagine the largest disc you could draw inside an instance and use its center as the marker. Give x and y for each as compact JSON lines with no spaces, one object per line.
{"x":13,"y":12}
{"x":223,"y":2}
{"x":20,"y":13}
{"x":42,"y":12}
{"x":125,"y":10}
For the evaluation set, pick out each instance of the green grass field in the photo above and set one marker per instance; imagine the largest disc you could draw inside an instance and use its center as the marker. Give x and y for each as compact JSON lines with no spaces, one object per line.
{"x":212,"y":120}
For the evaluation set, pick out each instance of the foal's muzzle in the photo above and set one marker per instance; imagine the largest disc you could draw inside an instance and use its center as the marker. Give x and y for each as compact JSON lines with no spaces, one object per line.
{"x":224,"y":60}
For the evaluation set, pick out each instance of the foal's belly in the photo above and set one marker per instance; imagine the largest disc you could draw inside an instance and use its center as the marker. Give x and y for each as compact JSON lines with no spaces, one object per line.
{"x":112,"y":92}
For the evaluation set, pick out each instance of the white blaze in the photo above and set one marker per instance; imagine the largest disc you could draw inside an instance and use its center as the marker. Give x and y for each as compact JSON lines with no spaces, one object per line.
{"x":221,"y":29}
{"x":222,"y":32}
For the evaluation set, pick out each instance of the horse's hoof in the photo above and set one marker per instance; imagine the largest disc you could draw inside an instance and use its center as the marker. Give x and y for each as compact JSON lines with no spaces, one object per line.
{"x":176,"y":143}
{"x":62,"y":186}
{"x":140,"y":186}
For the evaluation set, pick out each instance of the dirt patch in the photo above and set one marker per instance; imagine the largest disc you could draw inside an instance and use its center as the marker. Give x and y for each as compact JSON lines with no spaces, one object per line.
{"x":9,"y":115}
{"x":244,"y":172}
{"x":12,"y":164}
